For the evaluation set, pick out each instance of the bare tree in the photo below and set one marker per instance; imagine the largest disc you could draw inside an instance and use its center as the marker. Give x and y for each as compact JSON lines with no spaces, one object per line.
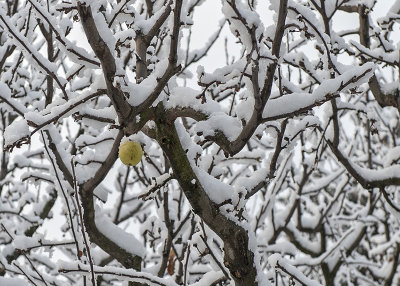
{"x":278,"y":168}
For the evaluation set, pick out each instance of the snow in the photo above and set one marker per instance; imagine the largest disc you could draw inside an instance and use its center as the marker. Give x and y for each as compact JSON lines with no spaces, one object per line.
{"x":117,"y":273}
{"x":107,"y":112}
{"x":158,"y":181}
{"x":229,"y":126}
{"x":122,"y":36}
{"x":101,"y":192}
{"x":209,"y":277}
{"x":59,"y":26}
{"x":144,"y":25}
{"x":138,"y":93}
{"x":283,"y":247}
{"x":30,"y":53}
{"x":371,"y":175}
{"x":102,"y":26}
{"x":22,"y":242}
{"x":392,"y":156}
{"x":17,"y":130}
{"x":120,"y":237}
{"x":244,"y":108}
{"x":307,"y":177}
{"x":256,"y":177}
{"x":278,"y":262}
{"x":273,"y":259}
{"x":320,"y":183}
{"x":297,"y":101}
{"x":187,"y":97}
{"x":216,"y":190}
{"x":5,"y":95}
{"x":240,"y":29}
{"x":13,"y":282}
{"x":384,"y":245}
{"x":60,"y":108}
{"x":379,"y":53}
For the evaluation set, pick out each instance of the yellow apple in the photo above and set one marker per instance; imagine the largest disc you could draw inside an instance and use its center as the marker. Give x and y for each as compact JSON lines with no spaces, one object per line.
{"x":130,"y":153}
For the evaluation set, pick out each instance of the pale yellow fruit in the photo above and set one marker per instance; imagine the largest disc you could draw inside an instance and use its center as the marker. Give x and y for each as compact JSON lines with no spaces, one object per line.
{"x":130,"y":153}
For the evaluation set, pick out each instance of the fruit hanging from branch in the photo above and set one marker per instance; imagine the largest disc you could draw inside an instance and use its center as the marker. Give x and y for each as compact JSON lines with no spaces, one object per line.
{"x":130,"y":153}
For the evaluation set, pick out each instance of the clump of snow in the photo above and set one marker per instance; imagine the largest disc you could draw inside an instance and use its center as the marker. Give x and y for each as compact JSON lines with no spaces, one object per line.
{"x":273,"y":259}
{"x":297,"y":101}
{"x":250,"y":182}
{"x":138,"y":93}
{"x":23,"y":242}
{"x":123,"y":239}
{"x":220,"y":121}
{"x":244,"y":109}
{"x":187,"y":97}
{"x":101,"y":192}
{"x":216,"y":190}
{"x":16,"y":131}
{"x":392,"y":156}
{"x":209,"y":278}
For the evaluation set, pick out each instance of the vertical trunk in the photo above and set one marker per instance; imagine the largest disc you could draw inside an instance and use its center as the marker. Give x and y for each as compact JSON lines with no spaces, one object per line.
{"x":237,"y":256}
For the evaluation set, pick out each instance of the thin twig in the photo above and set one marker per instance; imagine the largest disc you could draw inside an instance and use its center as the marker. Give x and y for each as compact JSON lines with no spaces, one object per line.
{"x":79,"y":207}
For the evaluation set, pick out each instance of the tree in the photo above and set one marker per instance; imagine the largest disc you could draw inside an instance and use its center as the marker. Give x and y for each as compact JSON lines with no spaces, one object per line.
{"x":279,"y":167}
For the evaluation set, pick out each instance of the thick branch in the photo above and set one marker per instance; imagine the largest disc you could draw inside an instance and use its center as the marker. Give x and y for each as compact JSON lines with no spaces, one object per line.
{"x":238,"y":258}
{"x":107,"y":60}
